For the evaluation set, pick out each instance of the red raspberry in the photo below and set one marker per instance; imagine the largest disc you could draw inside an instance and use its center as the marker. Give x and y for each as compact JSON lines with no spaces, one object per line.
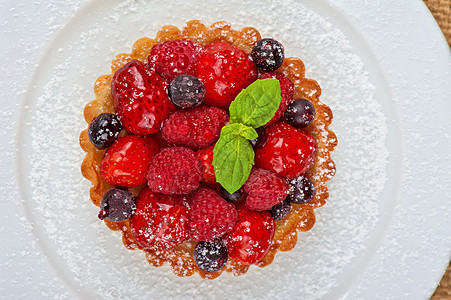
{"x":251,"y":236}
{"x":265,"y":189}
{"x":140,"y":98}
{"x":159,"y":221}
{"x":206,"y":157}
{"x":126,"y":162}
{"x":210,"y":216}
{"x":287,"y":91}
{"x":225,"y":70}
{"x":173,"y":58}
{"x":288,"y":151}
{"x":198,"y":127}
{"x":175,"y":170}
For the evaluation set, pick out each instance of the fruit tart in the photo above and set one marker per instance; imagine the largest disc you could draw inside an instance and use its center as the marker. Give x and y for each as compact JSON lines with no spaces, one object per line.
{"x":208,"y":149}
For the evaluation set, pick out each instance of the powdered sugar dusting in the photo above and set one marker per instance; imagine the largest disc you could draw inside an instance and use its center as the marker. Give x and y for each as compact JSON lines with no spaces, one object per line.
{"x":94,"y":257}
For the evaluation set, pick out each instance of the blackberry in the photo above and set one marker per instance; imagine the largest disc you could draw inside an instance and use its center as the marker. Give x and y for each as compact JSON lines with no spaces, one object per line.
{"x":186,"y":91}
{"x":104,"y":130}
{"x":210,"y":256}
{"x":232,"y":198}
{"x":281,"y":210}
{"x":302,"y":190}
{"x":300,"y":113}
{"x":117,"y":205}
{"x":268,"y":54}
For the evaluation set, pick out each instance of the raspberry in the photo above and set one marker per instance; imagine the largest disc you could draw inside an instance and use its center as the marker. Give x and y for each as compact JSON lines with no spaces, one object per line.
{"x":287,"y":91}
{"x":173,"y":58}
{"x":196,"y":128}
{"x":175,"y":170}
{"x":159,"y":221}
{"x":288,"y":151}
{"x":210,"y":216}
{"x":206,"y":157}
{"x":265,"y":189}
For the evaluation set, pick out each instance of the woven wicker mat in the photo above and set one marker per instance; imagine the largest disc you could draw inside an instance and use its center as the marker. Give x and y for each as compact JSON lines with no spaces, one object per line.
{"x":441,"y":10}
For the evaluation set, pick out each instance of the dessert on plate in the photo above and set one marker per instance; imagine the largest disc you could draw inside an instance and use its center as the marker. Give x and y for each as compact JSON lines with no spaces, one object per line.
{"x":208,"y":149}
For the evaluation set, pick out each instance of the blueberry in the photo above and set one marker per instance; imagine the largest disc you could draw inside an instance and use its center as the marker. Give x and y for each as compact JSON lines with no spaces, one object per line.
{"x":258,"y":142}
{"x":232,"y":198}
{"x":210,"y":256}
{"x":281,"y":210}
{"x":104,"y":130}
{"x":186,"y":91}
{"x":302,"y":190}
{"x":117,"y":205}
{"x":268,"y":54}
{"x":300,"y":113}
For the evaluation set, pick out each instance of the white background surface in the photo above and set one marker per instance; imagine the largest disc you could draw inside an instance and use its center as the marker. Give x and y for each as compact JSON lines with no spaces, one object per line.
{"x":408,"y":61}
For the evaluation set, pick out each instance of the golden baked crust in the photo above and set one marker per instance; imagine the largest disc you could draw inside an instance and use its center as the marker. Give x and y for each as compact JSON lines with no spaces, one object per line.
{"x":301,"y":217}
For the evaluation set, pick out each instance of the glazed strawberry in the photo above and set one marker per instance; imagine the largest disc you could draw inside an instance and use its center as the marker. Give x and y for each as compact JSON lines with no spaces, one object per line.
{"x":173,"y":58}
{"x":287,"y":91}
{"x":159,"y":221}
{"x":265,"y":189}
{"x":225,"y":70}
{"x":141,"y":98}
{"x":175,"y":170}
{"x":126,"y":162}
{"x":210,"y":215}
{"x":251,"y":236}
{"x":206,"y":157}
{"x":288,"y":151}
{"x":196,"y":128}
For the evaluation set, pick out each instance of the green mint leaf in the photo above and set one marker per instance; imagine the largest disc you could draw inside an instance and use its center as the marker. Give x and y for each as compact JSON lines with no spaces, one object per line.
{"x":256,"y":105}
{"x":233,"y":156}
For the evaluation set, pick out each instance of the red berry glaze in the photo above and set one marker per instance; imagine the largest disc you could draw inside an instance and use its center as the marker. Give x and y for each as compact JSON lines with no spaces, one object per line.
{"x":251,"y":236}
{"x":287,"y":91}
{"x":175,"y":170}
{"x":288,"y":151}
{"x":210,"y":215}
{"x":206,"y":157}
{"x":159,"y":221}
{"x":173,"y":58}
{"x":265,"y":189}
{"x":126,"y":162}
{"x":141,"y":98}
{"x":225,"y":70}
{"x":196,"y":128}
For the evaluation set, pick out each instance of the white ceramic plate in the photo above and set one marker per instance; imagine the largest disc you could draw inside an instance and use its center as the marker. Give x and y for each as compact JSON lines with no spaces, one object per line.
{"x":385,"y":71}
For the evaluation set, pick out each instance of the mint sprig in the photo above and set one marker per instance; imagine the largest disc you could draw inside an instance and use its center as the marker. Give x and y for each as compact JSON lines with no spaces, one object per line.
{"x":257,"y":104}
{"x":233,"y":156}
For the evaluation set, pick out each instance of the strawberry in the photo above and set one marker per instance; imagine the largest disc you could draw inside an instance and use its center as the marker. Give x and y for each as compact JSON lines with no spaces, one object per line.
{"x":288,"y":151}
{"x":287,"y":91}
{"x":225,"y":70}
{"x":251,"y":236}
{"x":210,"y":215}
{"x":173,"y":58}
{"x":126,"y":162}
{"x":141,"y":98}
{"x":159,"y":221}
{"x":206,"y":157}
